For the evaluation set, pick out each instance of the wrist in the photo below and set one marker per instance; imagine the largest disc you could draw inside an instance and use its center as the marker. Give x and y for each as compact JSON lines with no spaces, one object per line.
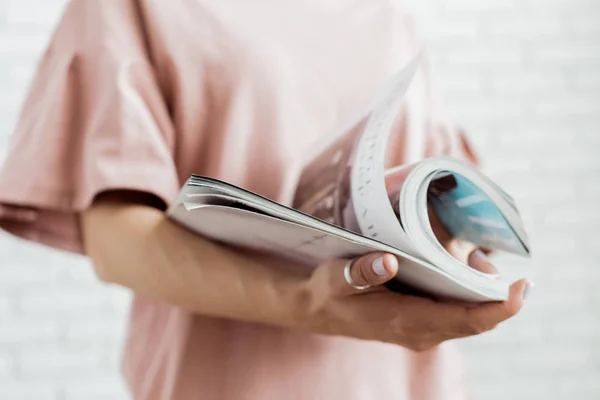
{"x":294,"y":305}
{"x":309,"y":308}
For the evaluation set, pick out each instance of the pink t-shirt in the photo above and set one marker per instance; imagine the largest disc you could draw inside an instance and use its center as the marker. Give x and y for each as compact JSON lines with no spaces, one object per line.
{"x":141,"y":94}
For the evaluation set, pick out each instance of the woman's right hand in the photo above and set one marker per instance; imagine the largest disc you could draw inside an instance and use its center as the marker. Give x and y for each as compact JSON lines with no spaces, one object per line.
{"x":332,"y":306}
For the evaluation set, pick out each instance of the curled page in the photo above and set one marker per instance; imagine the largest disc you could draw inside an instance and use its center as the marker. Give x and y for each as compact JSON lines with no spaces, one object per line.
{"x":346,"y":184}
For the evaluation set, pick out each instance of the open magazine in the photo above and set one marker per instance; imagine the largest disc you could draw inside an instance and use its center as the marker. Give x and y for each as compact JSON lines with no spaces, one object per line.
{"x":347,"y":204}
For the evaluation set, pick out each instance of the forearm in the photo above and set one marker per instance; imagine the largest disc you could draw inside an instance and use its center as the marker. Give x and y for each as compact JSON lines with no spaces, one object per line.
{"x":138,"y":247}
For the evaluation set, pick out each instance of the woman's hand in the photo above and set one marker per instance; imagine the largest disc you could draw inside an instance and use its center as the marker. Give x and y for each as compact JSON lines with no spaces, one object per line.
{"x":333,"y":306}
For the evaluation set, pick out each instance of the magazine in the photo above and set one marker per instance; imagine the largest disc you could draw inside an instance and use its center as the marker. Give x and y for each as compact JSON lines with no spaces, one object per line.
{"x":347,"y":204}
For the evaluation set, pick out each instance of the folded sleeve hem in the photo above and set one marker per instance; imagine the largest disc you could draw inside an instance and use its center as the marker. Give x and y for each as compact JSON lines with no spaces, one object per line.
{"x":50,"y":216}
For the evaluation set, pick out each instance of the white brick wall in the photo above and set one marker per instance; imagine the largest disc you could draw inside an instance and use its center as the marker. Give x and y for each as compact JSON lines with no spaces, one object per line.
{"x":521,"y":75}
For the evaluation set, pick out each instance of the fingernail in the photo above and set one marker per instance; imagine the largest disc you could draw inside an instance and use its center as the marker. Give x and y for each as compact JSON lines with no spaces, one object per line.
{"x":378,"y":267}
{"x":481,"y":255}
{"x":527,"y":291}
{"x":483,"y":259}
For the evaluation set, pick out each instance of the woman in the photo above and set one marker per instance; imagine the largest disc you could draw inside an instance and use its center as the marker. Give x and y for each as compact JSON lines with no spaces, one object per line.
{"x":131,"y":97}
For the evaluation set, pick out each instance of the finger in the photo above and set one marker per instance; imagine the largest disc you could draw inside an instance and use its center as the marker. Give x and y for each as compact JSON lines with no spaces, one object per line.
{"x":460,"y":249}
{"x":485,"y":317}
{"x":372,"y":269}
{"x":479,"y":261}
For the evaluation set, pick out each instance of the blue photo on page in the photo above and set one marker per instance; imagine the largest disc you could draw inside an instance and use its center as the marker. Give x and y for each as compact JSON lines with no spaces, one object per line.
{"x":470,"y":215}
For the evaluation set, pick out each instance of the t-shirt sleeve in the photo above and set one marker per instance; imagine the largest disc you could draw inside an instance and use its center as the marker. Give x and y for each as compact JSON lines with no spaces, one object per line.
{"x":94,"y":119}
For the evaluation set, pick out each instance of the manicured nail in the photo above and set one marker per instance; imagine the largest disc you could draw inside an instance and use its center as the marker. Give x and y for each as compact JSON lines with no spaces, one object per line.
{"x":378,"y":267}
{"x":527,"y":291}
{"x":481,"y":255}
{"x":487,"y":267}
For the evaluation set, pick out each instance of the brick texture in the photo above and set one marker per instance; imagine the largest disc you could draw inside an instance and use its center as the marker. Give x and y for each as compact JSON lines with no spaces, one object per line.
{"x":522,"y":78}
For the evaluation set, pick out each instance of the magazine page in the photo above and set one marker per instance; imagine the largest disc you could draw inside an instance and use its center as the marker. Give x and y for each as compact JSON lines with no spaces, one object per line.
{"x":345,"y":185}
{"x":324,"y":187}
{"x":471,"y":215}
{"x":469,"y":205}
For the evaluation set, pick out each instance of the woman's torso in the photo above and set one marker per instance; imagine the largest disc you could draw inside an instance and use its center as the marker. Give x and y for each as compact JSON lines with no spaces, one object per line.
{"x":253,"y":88}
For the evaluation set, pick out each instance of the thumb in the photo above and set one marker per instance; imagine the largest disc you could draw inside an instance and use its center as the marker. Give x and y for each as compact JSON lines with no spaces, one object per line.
{"x":372,"y":269}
